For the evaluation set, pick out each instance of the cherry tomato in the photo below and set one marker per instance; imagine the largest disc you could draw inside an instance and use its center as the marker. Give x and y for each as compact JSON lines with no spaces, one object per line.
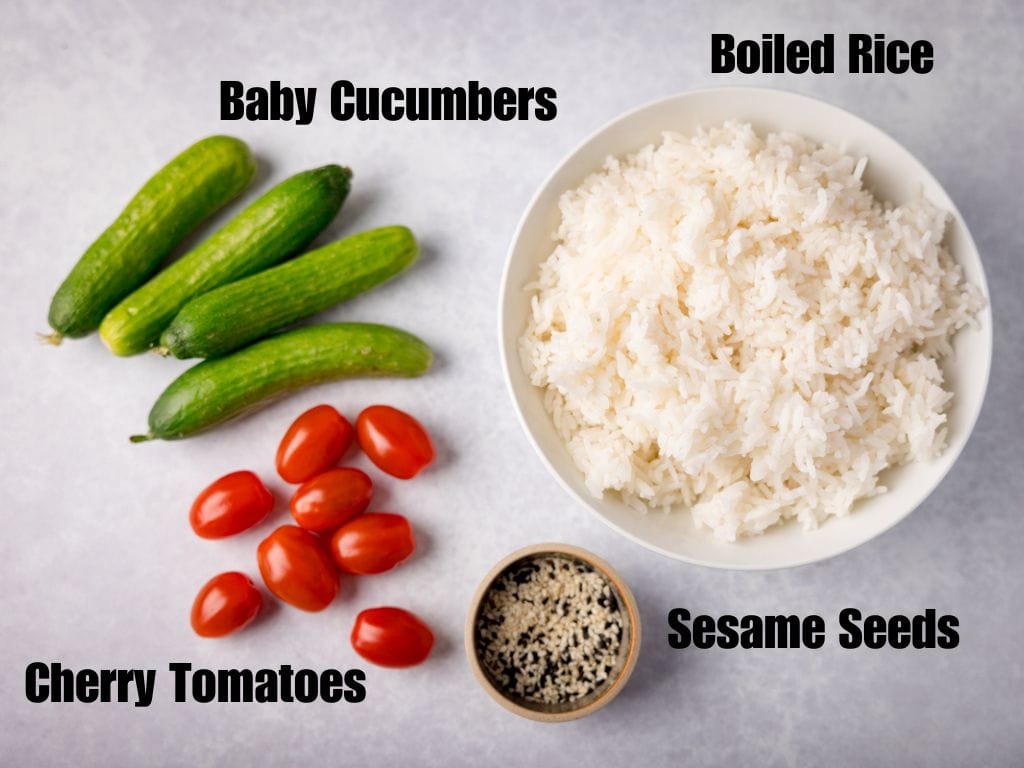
{"x":314,"y":442}
{"x":296,"y":567}
{"x":230,"y":505}
{"x":372,"y":543}
{"x":328,"y":500}
{"x":391,"y":637}
{"x":394,"y":441}
{"x":226,"y":603}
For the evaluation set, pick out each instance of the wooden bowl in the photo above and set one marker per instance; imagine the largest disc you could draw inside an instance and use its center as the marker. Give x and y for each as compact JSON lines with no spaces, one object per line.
{"x":629,"y":650}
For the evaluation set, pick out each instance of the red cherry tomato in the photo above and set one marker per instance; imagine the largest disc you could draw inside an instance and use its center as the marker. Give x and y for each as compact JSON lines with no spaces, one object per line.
{"x":296,"y":567}
{"x":391,"y":637}
{"x":328,"y":500}
{"x":394,"y":441}
{"x":226,"y":603}
{"x":230,"y":505}
{"x":314,"y":442}
{"x":372,"y":543}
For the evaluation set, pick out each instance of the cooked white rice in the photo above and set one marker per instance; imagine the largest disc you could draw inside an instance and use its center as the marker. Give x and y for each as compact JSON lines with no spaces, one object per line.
{"x":732,"y":323}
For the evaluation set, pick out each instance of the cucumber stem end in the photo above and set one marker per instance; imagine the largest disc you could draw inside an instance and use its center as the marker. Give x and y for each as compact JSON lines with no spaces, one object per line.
{"x":142,"y":438}
{"x":54,"y":338}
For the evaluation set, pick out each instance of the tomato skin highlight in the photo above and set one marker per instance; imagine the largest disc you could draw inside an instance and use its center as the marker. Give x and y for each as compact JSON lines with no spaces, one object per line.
{"x":314,"y":442}
{"x":394,"y":441}
{"x":297,"y":568}
{"x":225,"y":604}
{"x":372,"y":543}
{"x":331,"y":498}
{"x":391,"y":637}
{"x":230,"y":505}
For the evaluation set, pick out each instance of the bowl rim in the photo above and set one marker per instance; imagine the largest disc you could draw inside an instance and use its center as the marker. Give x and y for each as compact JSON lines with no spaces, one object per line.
{"x":629,"y":605}
{"x":954,"y":452}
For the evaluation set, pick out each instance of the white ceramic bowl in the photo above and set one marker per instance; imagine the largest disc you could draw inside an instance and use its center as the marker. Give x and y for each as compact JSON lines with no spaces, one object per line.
{"x":892,"y":174}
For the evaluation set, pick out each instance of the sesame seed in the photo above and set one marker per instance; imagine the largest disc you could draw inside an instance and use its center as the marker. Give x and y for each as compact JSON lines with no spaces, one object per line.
{"x":549,"y":630}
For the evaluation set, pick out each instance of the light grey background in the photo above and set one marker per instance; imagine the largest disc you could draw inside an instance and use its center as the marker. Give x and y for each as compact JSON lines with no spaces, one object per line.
{"x":100,"y":567}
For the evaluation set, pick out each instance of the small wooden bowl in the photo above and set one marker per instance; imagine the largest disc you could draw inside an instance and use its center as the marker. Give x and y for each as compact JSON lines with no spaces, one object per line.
{"x":556,"y":713}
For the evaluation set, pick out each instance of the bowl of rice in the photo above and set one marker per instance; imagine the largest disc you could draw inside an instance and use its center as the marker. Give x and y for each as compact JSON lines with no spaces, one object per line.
{"x":745,"y":327}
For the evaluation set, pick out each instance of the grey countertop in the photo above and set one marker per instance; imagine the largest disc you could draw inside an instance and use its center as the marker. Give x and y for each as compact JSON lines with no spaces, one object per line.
{"x":99,"y":566}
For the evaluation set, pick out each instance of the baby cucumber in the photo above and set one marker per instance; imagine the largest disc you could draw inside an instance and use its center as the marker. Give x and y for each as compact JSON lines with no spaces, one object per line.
{"x":169,"y":206}
{"x":217,"y":390}
{"x":277,"y":225}
{"x":231,"y":316}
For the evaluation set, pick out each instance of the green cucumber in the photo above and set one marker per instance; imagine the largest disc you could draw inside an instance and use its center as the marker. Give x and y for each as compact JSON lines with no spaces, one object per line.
{"x":231,"y":316}
{"x":214,"y":391}
{"x":279,"y":224}
{"x":169,"y":206}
